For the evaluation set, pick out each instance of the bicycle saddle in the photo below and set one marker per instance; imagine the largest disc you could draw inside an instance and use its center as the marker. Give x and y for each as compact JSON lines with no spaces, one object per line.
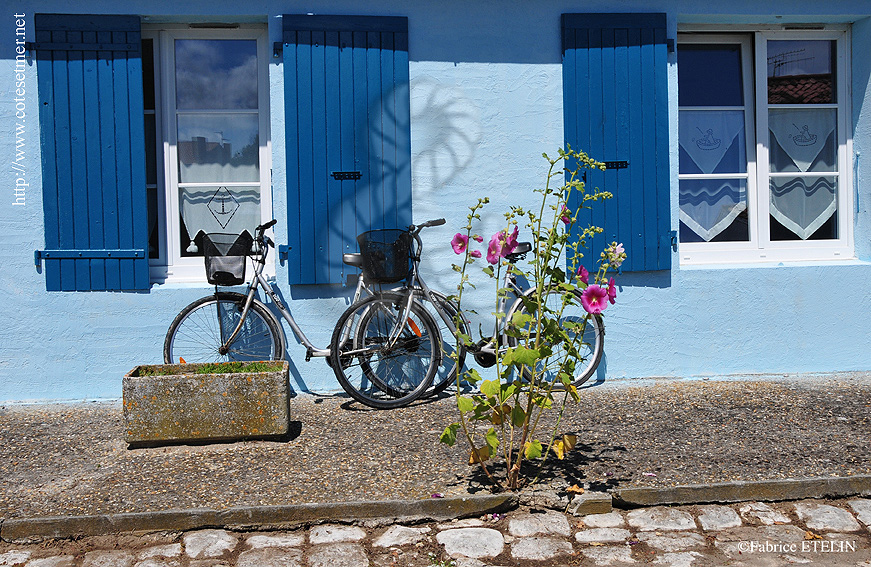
{"x":522,"y":248}
{"x":353,"y":259}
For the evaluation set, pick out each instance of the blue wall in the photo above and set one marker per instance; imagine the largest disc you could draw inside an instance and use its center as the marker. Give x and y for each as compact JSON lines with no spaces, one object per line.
{"x":486,"y":101}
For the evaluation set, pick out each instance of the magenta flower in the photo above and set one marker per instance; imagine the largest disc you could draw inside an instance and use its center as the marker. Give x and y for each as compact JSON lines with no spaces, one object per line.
{"x":459,"y":243}
{"x":612,"y":291}
{"x":583,"y":275}
{"x":477,"y":238}
{"x":494,"y":249}
{"x":595,"y":299}
{"x":501,"y":245}
{"x":475,"y":253}
{"x":510,"y":243}
{"x":566,"y":218}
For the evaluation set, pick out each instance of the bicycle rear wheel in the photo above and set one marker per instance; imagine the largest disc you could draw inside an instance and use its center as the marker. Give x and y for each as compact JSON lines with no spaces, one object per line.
{"x":446,"y":373}
{"x":197,"y":333}
{"x":371,"y":370}
{"x":583,"y":340}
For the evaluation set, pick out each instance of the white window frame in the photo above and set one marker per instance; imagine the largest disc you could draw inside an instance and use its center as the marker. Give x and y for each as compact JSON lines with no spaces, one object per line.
{"x":760,"y":248}
{"x":170,"y":266}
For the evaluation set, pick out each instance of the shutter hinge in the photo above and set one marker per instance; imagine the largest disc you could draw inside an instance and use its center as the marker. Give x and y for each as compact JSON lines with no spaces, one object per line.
{"x":40,"y":255}
{"x":283,"y":250}
{"x":673,"y":239}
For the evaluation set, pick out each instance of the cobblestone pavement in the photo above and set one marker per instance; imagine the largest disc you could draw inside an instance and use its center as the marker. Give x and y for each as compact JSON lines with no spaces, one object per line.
{"x":811,"y":532}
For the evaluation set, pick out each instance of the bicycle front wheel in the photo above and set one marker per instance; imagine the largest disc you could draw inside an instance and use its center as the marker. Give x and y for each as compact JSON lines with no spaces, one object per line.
{"x":198,"y":332}
{"x":579,"y":350}
{"x":376,"y":371}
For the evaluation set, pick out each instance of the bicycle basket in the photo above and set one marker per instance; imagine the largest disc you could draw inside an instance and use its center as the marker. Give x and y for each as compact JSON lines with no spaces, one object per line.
{"x":225,"y":257}
{"x":386,"y":254}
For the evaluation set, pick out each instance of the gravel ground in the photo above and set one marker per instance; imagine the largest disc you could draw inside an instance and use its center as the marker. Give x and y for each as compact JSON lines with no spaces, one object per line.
{"x":72,"y":460}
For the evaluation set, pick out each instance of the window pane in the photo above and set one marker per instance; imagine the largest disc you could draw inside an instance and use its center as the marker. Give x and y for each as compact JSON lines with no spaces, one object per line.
{"x":712,"y":141}
{"x":216,"y":74}
{"x":148,"y":73}
{"x":219,"y":209}
{"x":709,"y":75}
{"x":711,"y":207}
{"x":802,"y":206}
{"x":803,"y":140}
{"x":801,"y":72}
{"x":215,"y":148}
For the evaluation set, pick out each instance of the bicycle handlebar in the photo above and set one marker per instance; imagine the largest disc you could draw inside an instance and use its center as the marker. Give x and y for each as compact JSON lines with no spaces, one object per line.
{"x":415,"y":229}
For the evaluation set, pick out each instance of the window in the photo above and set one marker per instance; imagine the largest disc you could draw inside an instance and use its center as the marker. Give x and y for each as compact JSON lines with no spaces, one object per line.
{"x":206,"y":123}
{"x":763,"y":143}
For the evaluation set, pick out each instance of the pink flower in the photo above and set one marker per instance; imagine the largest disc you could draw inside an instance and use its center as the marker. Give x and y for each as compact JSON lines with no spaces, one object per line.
{"x":477,"y":238}
{"x":612,"y":291}
{"x":615,"y":254}
{"x":475,"y":253}
{"x":594,"y":299}
{"x":501,"y":245}
{"x":583,"y":274}
{"x":459,"y":243}
{"x":566,"y":218}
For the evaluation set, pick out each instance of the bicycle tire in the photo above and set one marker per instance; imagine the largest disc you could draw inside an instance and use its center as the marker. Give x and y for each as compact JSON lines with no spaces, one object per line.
{"x":195,"y":333}
{"x":446,"y":373}
{"x":384,"y":377}
{"x":588,"y":350}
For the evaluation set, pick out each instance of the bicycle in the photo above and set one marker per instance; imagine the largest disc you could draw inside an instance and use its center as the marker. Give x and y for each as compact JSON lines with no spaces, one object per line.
{"x":234,"y":326}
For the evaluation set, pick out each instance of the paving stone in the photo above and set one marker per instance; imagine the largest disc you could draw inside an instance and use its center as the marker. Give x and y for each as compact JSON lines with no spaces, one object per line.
{"x":342,"y":554}
{"x":602,"y":535}
{"x":652,"y":519}
{"x":763,"y":513}
{"x":862,"y":508}
{"x":672,"y":542}
{"x":540,"y":548}
{"x":282,"y":540}
{"x":682,"y":559}
{"x":469,"y":562}
{"x":14,"y":557}
{"x":108,"y":558}
{"x":171,"y":550}
{"x":159,"y":562}
{"x":207,"y":544}
{"x":609,"y":555}
{"x":590,"y":503}
{"x":57,"y":561}
{"x":609,"y":520}
{"x":397,"y":536}
{"x":531,"y":524}
{"x":718,"y":518}
{"x":467,"y":523}
{"x":826,"y":518}
{"x":270,"y":557}
{"x":331,"y":533}
{"x":471,"y":542}
{"x":735,"y":542}
{"x":209,"y":563}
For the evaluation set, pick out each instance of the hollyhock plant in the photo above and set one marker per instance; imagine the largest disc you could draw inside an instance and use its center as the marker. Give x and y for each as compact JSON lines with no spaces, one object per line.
{"x":584,"y":275}
{"x":612,"y":291}
{"x":595,"y":299}
{"x":475,"y":253}
{"x":459,"y":243}
{"x":566,"y":215}
{"x":501,"y":245}
{"x":615,"y":254}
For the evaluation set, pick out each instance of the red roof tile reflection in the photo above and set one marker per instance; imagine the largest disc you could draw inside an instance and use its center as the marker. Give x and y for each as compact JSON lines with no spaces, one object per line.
{"x":801,"y":89}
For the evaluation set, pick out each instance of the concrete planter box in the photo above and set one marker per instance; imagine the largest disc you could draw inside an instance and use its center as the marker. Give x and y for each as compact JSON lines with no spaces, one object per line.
{"x":181,"y":405}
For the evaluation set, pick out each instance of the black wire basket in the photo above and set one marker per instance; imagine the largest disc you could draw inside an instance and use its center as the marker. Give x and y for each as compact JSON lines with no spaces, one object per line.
{"x":386,"y":254}
{"x":225,"y":257}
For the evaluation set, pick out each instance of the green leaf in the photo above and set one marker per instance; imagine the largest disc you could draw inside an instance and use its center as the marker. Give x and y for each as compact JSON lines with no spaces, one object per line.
{"x":449,"y":435}
{"x":518,"y":416}
{"x":490,"y":388}
{"x":488,"y":270}
{"x":520,"y":319}
{"x":472,"y":376}
{"x":506,"y":391}
{"x":533,"y":449}
{"x":521,"y":356}
{"x":492,"y":440}
{"x":465,"y":404}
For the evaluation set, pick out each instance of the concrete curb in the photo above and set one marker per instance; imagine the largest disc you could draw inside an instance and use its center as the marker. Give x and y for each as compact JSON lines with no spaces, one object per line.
{"x":435,"y":509}
{"x":764,"y":490}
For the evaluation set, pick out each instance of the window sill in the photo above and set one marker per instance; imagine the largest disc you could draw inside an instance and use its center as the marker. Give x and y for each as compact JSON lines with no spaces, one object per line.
{"x":773,"y":264}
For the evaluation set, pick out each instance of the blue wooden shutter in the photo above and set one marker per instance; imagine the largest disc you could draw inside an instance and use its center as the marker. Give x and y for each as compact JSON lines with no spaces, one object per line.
{"x":615,"y":73}
{"x":347,"y":114}
{"x":93,"y":154}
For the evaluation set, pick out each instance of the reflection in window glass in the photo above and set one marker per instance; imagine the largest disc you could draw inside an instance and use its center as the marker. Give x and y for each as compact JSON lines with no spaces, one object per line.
{"x":216,"y":73}
{"x":709,"y":75}
{"x":218,"y":148}
{"x":801,"y":72}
